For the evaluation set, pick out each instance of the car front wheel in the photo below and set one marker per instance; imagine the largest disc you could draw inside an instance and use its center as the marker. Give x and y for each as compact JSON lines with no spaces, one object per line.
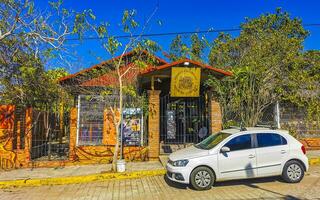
{"x":293,"y":172}
{"x":202,"y":178}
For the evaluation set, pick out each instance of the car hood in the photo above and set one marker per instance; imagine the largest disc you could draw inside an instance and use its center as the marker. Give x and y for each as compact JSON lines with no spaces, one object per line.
{"x":188,"y":153}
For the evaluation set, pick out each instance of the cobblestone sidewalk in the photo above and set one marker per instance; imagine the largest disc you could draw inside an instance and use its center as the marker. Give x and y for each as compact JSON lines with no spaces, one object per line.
{"x":22,"y":174}
{"x":158,"y":187}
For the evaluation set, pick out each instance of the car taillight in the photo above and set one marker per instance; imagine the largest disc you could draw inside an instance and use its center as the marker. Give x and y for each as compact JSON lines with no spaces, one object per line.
{"x":303,"y":149}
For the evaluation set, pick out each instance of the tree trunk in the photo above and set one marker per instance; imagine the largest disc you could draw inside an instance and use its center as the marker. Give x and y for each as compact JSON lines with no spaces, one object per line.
{"x":118,"y":123}
{"x":116,"y":149}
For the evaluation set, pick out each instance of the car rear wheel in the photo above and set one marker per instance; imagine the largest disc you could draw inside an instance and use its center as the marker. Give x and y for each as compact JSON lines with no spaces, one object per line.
{"x":202,"y":178}
{"x":293,"y":172}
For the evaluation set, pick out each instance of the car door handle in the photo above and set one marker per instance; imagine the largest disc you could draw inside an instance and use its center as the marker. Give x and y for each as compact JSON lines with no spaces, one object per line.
{"x":251,"y":156}
{"x":283,"y":151}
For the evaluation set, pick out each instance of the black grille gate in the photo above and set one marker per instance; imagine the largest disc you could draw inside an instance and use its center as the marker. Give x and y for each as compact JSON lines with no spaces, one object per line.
{"x":184,"y":120}
{"x":51,"y":142}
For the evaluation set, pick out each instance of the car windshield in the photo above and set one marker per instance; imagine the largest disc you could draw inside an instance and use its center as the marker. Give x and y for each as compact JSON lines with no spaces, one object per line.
{"x":212,"y":140}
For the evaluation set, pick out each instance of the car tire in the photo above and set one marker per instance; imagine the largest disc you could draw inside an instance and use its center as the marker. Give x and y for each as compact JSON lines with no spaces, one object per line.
{"x":202,"y":178}
{"x":293,"y":171}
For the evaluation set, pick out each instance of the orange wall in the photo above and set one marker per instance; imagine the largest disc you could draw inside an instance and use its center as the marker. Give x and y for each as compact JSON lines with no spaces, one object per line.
{"x":18,"y":158}
{"x":104,"y":154}
{"x":9,"y":158}
{"x":101,"y":153}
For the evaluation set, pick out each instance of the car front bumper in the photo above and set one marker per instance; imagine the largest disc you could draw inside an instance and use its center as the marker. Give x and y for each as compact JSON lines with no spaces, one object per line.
{"x":178,"y":174}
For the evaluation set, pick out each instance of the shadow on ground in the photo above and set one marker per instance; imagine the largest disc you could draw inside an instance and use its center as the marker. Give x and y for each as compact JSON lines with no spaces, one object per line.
{"x":175,"y":184}
{"x":248,"y":182}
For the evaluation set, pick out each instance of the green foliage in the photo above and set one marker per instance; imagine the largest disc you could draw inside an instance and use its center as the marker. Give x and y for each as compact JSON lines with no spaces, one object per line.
{"x":55,"y":74}
{"x":265,"y":59}
{"x":32,"y":86}
{"x":29,"y":37}
{"x":31,"y":7}
{"x":193,"y":47}
{"x":303,"y":84}
{"x":178,"y":49}
{"x":128,"y":21}
{"x":80,"y":24}
{"x":112,"y":45}
{"x":198,"y":46}
{"x":130,"y":90}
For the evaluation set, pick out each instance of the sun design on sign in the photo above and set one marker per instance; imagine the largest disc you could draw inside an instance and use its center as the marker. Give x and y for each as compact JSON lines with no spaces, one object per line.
{"x":185,"y":82}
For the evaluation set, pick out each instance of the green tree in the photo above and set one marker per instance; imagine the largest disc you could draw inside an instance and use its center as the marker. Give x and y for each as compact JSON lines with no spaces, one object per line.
{"x":123,"y":65}
{"x":262,"y":58}
{"x":29,"y":37}
{"x":178,"y":49}
{"x":193,"y":48}
{"x":198,"y":45}
{"x":303,"y":84}
{"x":35,"y":87}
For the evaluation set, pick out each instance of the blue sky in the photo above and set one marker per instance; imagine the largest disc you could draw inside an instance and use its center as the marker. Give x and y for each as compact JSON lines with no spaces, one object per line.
{"x":184,"y":15}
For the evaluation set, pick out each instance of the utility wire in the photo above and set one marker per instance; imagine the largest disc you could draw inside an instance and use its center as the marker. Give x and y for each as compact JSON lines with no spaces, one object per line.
{"x":172,"y":33}
{"x":160,"y":34}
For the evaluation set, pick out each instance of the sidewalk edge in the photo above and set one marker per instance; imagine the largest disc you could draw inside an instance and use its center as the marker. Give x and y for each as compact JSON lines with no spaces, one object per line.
{"x":80,"y":179}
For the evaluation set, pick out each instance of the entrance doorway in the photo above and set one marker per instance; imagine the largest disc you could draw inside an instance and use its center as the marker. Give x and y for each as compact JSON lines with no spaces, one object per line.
{"x":183,"y":121}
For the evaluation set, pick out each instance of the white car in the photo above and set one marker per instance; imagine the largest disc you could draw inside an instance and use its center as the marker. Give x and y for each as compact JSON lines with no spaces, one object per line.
{"x":239,"y":154}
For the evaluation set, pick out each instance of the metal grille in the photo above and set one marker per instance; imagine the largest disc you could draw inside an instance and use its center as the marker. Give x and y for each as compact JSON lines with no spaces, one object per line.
{"x":50,"y":141}
{"x":91,"y":111}
{"x":91,"y":120}
{"x":183,"y":120}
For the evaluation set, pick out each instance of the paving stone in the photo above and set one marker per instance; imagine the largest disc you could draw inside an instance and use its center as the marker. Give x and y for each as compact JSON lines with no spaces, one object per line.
{"x":28,"y":173}
{"x":158,"y":188}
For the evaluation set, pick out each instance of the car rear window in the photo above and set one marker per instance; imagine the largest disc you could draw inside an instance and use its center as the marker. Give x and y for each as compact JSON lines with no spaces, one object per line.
{"x":270,"y":139}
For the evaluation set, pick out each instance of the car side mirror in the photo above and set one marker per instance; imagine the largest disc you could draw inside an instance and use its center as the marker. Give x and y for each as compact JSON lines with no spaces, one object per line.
{"x":225,"y":149}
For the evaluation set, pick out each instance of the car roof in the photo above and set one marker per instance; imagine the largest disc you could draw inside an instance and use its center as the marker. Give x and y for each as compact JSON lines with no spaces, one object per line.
{"x":258,"y":129}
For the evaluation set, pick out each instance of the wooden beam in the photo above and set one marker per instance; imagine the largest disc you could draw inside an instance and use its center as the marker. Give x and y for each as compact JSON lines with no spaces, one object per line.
{"x":152,"y":82}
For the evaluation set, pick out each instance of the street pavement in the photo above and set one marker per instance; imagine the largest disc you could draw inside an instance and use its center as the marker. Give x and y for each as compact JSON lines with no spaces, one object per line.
{"x":158,"y":187}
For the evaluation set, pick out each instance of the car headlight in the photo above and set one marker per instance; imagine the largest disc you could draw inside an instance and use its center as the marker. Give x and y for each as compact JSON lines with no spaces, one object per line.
{"x":180,"y":163}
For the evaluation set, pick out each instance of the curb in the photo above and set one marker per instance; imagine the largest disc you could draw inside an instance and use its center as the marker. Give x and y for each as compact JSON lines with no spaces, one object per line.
{"x":80,"y":179}
{"x":314,"y":161}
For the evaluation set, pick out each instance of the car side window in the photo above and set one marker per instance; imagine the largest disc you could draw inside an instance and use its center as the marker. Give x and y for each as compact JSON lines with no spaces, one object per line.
{"x":240,"y":143}
{"x":270,"y":139}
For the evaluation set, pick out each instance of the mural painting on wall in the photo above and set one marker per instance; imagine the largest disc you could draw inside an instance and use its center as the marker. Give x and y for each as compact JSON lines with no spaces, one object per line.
{"x":6,"y":121}
{"x":7,"y":157}
{"x":104,"y":154}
